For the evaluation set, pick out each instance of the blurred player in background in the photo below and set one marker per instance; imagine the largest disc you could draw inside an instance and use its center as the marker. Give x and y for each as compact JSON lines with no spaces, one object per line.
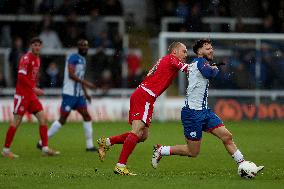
{"x":142,"y":105}
{"x":196,"y":115}
{"x":75,"y":93}
{"x":26,"y":100}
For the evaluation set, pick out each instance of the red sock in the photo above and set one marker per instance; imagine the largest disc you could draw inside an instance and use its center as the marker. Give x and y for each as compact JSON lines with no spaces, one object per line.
{"x":10,"y":135}
{"x":128,"y":146}
{"x":119,"y":139}
{"x":43,"y":134}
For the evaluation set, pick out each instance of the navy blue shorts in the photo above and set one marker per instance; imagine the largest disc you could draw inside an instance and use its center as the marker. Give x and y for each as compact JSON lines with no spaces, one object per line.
{"x":72,"y":103}
{"x":196,"y":121}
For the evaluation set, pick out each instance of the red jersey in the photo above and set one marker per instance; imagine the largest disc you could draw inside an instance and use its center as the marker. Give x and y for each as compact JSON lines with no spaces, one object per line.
{"x":27,"y":74}
{"x":162,"y":74}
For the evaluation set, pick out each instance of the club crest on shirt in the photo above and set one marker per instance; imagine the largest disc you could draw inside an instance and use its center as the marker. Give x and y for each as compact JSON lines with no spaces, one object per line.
{"x":136,"y":114}
{"x":22,"y":108}
{"x":192,"y":134}
{"x":67,"y":108}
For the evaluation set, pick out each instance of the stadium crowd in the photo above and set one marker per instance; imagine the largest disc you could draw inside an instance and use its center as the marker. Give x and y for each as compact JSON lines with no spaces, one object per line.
{"x":106,"y":69}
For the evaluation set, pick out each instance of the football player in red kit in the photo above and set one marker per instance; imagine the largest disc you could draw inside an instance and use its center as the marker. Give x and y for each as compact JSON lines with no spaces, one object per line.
{"x":26,"y":100}
{"x":142,"y":104}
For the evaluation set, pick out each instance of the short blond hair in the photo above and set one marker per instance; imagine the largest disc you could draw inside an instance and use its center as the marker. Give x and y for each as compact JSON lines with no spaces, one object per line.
{"x":173,"y":46}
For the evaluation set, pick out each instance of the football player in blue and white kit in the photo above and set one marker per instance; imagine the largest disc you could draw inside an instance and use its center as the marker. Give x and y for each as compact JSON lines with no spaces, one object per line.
{"x":196,"y":116}
{"x":75,"y":94}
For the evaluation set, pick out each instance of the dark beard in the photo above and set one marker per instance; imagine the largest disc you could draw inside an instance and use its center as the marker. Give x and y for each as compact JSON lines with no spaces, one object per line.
{"x":82,"y":52}
{"x":206,"y":57}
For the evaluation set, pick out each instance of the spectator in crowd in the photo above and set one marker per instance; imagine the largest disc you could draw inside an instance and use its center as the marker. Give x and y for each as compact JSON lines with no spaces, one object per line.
{"x":3,"y":83}
{"x":53,"y":77}
{"x":6,"y":40}
{"x":49,"y":6}
{"x":193,"y":21}
{"x":100,"y":63}
{"x":234,"y":75}
{"x":106,"y":80}
{"x":167,"y":7}
{"x":223,"y":78}
{"x":112,"y":7}
{"x":16,"y":6}
{"x":248,"y":60}
{"x":264,"y":8}
{"x":279,"y":19}
{"x":71,"y":31}
{"x":71,"y":36}
{"x":49,"y":36}
{"x":134,"y":68}
{"x":271,"y":68}
{"x":162,"y":9}
{"x":84,"y":7}
{"x":46,"y":7}
{"x":66,"y":7}
{"x":268,"y":24}
{"x":182,"y":9}
{"x":239,"y":27}
{"x":14,"y":57}
{"x":95,"y":28}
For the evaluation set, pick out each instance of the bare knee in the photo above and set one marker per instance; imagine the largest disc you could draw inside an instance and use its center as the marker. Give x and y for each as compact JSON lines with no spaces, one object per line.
{"x":143,"y":138}
{"x":42,"y":121}
{"x":140,"y":129}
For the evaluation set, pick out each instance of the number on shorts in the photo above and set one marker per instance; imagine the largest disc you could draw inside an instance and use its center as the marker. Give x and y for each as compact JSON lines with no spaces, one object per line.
{"x":19,"y":99}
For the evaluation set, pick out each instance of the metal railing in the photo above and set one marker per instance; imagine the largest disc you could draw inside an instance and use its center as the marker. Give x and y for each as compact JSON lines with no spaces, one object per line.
{"x":211,"y":21}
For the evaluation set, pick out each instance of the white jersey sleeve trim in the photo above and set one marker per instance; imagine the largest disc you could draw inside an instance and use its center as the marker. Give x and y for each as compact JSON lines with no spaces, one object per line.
{"x":183,"y":67}
{"x":149,"y":91}
{"x":23,"y":72}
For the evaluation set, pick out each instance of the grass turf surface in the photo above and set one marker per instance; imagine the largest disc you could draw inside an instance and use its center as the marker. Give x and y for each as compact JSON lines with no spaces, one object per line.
{"x":261,"y":142}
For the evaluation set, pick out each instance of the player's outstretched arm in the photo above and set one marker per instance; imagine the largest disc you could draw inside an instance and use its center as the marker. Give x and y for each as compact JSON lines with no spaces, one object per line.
{"x":74,"y":77}
{"x":88,"y":97}
{"x":218,"y":64}
{"x":88,"y":84}
{"x":38,"y":91}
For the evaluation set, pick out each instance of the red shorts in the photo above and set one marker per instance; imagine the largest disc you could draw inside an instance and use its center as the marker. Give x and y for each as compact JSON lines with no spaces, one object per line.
{"x":26,"y":103}
{"x":141,"y":106}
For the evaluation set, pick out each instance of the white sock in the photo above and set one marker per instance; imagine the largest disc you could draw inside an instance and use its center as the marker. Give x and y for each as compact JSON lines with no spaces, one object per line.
{"x":44,"y":149}
{"x":120,"y":165}
{"x":88,"y":133}
{"x":108,"y":142}
{"x":56,"y":125}
{"x":165,"y":150}
{"x":54,"y":128}
{"x":6,"y":150}
{"x":238,"y":157}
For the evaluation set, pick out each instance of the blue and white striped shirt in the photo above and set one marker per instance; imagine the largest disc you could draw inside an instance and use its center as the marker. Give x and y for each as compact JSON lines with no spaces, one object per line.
{"x":70,"y":87}
{"x":199,"y":73}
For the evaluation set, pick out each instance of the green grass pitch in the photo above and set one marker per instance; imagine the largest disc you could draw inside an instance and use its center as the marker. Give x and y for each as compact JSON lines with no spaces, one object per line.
{"x":260,"y":141}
